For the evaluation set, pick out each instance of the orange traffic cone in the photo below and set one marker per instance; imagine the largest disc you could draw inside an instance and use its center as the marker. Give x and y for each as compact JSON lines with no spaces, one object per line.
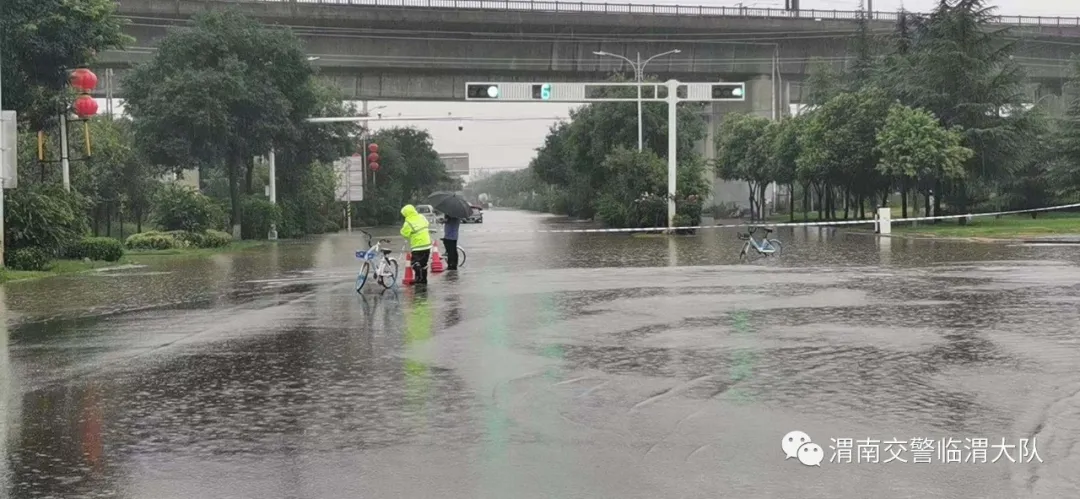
{"x":408,"y":280}
{"x":436,"y":260}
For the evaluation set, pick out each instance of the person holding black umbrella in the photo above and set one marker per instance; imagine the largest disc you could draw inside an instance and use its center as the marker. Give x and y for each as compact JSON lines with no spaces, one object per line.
{"x":455,"y":208}
{"x":449,"y":239}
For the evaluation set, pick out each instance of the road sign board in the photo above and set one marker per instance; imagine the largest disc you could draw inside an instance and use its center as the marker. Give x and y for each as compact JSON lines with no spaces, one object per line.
{"x":9,"y":152}
{"x":601,"y":92}
{"x":351,"y":179}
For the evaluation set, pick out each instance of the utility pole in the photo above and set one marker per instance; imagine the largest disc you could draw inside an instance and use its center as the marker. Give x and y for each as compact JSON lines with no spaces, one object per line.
{"x":273,"y":192}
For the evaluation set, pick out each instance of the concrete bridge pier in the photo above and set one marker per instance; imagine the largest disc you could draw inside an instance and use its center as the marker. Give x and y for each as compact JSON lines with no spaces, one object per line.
{"x":762,"y":99}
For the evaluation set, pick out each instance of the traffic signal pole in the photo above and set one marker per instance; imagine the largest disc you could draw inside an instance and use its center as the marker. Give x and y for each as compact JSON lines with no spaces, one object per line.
{"x":580,"y":92}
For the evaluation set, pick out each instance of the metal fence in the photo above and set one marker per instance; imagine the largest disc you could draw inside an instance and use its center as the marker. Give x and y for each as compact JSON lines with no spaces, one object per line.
{"x":655,"y":10}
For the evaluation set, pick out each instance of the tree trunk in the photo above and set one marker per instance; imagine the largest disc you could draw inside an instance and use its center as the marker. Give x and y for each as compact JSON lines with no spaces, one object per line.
{"x":926,"y":204}
{"x":791,"y":202}
{"x":138,"y":216}
{"x":819,"y":191}
{"x":862,"y":206}
{"x":202,"y":177}
{"x":806,"y":193}
{"x":903,"y":199}
{"x":937,"y":200}
{"x":847,"y":203}
{"x":249,"y":177}
{"x":830,"y":213}
{"x":108,"y":219}
{"x":234,"y":169}
{"x":751,"y":186}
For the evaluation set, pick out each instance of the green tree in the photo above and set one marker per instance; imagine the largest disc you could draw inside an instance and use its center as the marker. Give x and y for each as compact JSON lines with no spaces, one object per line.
{"x":743,"y":152}
{"x":783,"y":157}
{"x":963,"y":73}
{"x":409,"y":170}
{"x":573,"y":155}
{"x":837,"y":149}
{"x":1065,"y":172}
{"x":220,"y":93}
{"x":823,"y":83}
{"x":916,"y":150}
{"x":44,"y":39}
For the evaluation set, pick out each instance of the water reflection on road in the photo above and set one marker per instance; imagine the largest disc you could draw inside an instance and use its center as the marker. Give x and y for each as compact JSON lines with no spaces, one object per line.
{"x":550,"y":365}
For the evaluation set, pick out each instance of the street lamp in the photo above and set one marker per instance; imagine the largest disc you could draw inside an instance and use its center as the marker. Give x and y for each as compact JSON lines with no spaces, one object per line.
{"x":639,"y":76}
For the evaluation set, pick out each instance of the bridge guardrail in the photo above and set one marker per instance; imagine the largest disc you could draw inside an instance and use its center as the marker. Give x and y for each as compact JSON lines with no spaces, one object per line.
{"x":657,"y":9}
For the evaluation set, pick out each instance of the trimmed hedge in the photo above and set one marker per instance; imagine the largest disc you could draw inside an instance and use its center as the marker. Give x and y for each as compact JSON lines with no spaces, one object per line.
{"x":29,"y":258}
{"x":152,"y":241}
{"x":155,"y":240}
{"x":104,"y":249}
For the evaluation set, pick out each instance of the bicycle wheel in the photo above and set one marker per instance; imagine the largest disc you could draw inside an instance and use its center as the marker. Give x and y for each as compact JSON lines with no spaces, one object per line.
{"x":777,"y":247}
{"x":390,"y":274}
{"x":460,"y":256}
{"x":742,"y":254}
{"x":362,"y":277}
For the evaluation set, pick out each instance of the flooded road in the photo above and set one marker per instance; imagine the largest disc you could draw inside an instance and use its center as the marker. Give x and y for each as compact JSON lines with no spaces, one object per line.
{"x":551,"y":366}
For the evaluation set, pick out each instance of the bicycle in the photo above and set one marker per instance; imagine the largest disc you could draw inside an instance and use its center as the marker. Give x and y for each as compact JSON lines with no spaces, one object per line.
{"x":766,"y":247}
{"x":460,"y":251}
{"x":386,"y":270}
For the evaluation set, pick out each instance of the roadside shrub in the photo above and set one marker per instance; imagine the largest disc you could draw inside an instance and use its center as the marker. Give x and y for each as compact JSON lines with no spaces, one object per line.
{"x":44,"y":216}
{"x":187,"y":239}
{"x":152,"y":241}
{"x":180,"y":207}
{"x":105,"y":249}
{"x":215,"y":239}
{"x":258,"y":214}
{"x":28,"y":258}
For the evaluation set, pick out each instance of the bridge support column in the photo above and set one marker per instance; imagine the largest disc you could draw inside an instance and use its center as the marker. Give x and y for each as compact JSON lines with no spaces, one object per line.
{"x":762,"y":99}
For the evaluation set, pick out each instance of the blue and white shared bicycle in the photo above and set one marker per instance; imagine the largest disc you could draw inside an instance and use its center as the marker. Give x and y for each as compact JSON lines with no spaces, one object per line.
{"x":385,"y":266}
{"x":765,"y":247}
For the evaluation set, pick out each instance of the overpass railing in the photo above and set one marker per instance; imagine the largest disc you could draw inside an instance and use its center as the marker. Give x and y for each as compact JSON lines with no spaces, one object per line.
{"x":658,"y":10}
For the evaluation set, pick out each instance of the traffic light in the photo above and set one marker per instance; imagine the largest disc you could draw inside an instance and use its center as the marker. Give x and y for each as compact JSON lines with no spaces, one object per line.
{"x":542,"y":92}
{"x":728,"y":91}
{"x":481,"y":91}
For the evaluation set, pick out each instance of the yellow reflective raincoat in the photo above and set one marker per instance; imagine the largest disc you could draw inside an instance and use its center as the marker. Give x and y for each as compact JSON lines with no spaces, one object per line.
{"x":415,"y":229}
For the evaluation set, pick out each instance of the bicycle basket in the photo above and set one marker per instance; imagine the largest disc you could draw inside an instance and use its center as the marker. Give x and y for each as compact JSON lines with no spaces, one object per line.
{"x":368,"y":254}
{"x":744,"y":237}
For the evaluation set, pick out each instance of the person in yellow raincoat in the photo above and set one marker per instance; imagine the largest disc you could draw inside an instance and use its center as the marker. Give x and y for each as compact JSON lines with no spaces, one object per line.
{"x":416,"y":232}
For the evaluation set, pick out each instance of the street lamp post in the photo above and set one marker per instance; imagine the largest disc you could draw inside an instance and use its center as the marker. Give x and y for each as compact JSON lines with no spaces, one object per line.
{"x":639,"y":76}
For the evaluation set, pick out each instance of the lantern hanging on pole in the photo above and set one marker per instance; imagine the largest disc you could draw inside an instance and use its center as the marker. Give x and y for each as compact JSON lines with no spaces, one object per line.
{"x":85,"y":106}
{"x":373,"y":157}
{"x":84,"y":80}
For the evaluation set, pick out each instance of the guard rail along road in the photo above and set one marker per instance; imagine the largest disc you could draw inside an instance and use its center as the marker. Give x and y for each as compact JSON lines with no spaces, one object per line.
{"x":656,"y":10}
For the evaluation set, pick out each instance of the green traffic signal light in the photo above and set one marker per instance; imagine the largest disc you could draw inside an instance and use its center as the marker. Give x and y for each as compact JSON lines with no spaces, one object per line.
{"x":542,"y":92}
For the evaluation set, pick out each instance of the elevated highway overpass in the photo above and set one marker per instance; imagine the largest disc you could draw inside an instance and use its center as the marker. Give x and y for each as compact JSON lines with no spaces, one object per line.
{"x":428,"y":49}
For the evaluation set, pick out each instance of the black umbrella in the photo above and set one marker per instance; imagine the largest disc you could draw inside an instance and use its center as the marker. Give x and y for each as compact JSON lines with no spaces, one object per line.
{"x":452,"y":204}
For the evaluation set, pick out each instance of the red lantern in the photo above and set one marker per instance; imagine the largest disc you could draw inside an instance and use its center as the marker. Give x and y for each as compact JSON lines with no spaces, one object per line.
{"x":85,"y":106}
{"x":373,"y":148}
{"x":374,"y":167}
{"x":84,"y":79}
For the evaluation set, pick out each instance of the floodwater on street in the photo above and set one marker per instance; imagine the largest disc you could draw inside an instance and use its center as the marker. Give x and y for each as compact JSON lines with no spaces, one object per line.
{"x":551,"y":365}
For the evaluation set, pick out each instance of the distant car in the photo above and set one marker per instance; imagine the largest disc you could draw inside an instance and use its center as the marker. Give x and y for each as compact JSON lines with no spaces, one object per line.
{"x":477,"y":216}
{"x":428,"y":212}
